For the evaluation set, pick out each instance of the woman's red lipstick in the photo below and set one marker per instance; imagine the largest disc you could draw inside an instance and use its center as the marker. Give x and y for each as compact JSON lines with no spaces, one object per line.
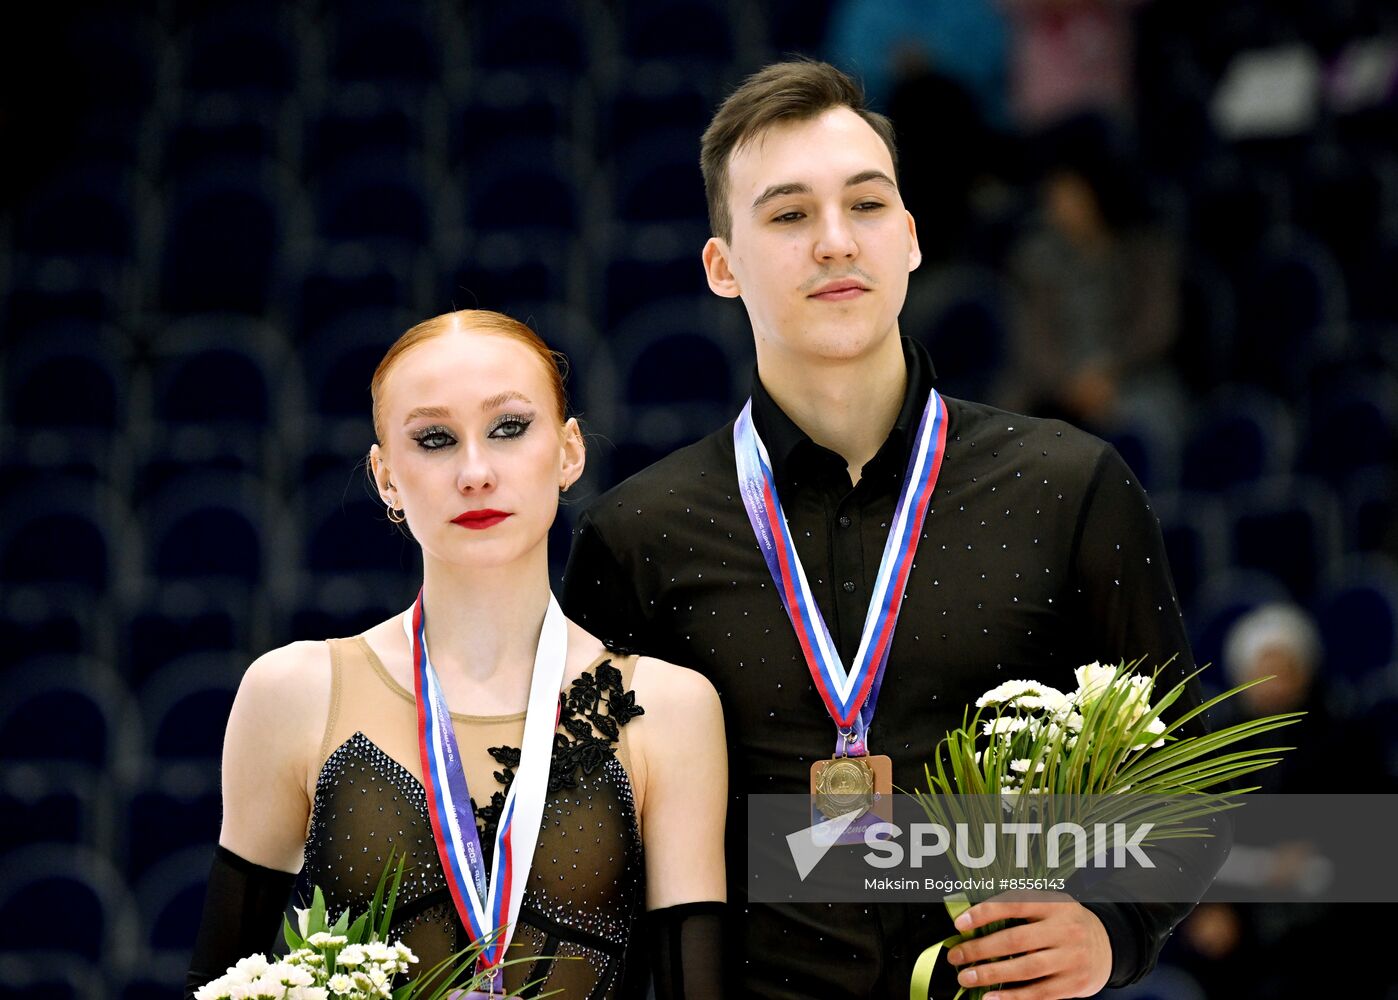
{"x":479,"y":520}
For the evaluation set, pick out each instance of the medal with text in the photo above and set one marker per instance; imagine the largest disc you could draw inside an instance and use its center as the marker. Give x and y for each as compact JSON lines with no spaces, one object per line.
{"x":488,"y":904}
{"x":853,"y":780}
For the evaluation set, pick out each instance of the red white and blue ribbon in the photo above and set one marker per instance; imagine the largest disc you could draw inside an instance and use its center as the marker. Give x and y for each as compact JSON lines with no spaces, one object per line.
{"x":487,"y":905}
{"x":851,"y":695}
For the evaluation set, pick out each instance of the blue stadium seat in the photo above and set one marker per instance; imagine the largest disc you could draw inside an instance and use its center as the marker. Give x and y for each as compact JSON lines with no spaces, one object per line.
{"x":40,"y":975}
{"x":536,"y":38}
{"x":170,"y":899}
{"x":509,"y":108}
{"x":86,"y":211}
{"x":215,"y":130}
{"x":49,"y":886}
{"x":1196,"y":540}
{"x":1290,"y":312}
{"x":1222,"y":600}
{"x":115,"y":57}
{"x":340,"y":362}
{"x":1208,"y":318}
{"x":523,"y":197}
{"x":362,"y":121}
{"x":345,"y":529}
{"x":177,"y":621}
{"x":390,"y":45}
{"x":340,"y":606}
{"x":40,"y":621}
{"x":184,"y":708}
{"x":348,"y":279}
{"x":99,"y":722}
{"x":656,"y":94}
{"x":70,"y":541}
{"x":223,"y":242}
{"x":668,"y":356}
{"x":637,"y":276}
{"x":1288,"y":527}
{"x":1371,"y":510}
{"x":1381,"y":717}
{"x":220,"y":383}
{"x":570,"y":333}
{"x":165,"y":816}
{"x":1230,"y":208}
{"x":67,"y":377}
{"x":46,"y":805}
{"x":1149,"y":443}
{"x":207,"y":526}
{"x":696,"y":36}
{"x":960,"y":316}
{"x":1240,"y":437}
{"x":657,"y":180}
{"x":1357,"y":612}
{"x":1351,"y":425}
{"x":378,"y":199}
{"x":245,"y":54}
{"x":500,"y":270}
{"x":47,"y":293}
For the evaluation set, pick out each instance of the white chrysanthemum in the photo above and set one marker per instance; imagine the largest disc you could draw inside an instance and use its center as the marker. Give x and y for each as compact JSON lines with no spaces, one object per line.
{"x":1021,"y":766}
{"x":351,"y":956}
{"x":381,"y":982}
{"x":1016,"y":691}
{"x":405,"y":954}
{"x":378,"y":951}
{"x":290,"y":974}
{"x":324,"y":939}
{"x":1005,"y":725}
{"x":251,"y":967}
{"x":340,"y":983}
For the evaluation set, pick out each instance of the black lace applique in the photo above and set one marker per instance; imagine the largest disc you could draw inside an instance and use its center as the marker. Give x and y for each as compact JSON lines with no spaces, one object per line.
{"x":581,"y":713}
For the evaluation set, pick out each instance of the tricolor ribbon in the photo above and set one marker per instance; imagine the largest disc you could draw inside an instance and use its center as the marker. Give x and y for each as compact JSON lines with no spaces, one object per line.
{"x":850,"y":696}
{"x":488,"y":907}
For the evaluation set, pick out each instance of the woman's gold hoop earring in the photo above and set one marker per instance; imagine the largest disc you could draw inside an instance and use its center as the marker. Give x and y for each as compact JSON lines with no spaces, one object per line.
{"x":401,"y":517}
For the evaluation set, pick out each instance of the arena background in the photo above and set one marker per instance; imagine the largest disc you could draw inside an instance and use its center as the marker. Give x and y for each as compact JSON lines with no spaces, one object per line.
{"x":215,"y":217}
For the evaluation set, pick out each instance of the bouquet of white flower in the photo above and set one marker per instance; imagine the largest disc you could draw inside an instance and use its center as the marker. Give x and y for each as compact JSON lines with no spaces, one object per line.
{"x":1030,"y":747}
{"x":346,"y":960}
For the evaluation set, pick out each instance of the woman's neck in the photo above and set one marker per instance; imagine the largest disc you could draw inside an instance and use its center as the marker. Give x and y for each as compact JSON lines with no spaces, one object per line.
{"x":483,"y":628}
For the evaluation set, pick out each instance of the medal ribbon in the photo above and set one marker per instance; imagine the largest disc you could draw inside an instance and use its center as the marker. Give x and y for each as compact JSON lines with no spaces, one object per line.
{"x":850,"y":696}
{"x":487,"y":906}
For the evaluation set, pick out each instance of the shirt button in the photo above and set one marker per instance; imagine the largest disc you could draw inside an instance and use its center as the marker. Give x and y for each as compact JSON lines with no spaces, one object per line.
{"x":849,"y":586}
{"x":844,"y":520}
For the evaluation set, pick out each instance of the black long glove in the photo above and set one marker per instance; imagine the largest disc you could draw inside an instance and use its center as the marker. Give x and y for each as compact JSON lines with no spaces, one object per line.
{"x":686,"y":951}
{"x":243,"y":908}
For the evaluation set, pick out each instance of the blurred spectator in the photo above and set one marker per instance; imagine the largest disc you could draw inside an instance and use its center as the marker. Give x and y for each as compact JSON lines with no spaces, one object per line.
{"x":1281,"y":641}
{"x":1069,"y":56}
{"x":1256,"y":950}
{"x":881,"y":41}
{"x":1098,"y":290}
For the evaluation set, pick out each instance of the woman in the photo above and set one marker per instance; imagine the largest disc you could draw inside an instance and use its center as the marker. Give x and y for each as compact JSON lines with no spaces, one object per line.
{"x":325,"y":749}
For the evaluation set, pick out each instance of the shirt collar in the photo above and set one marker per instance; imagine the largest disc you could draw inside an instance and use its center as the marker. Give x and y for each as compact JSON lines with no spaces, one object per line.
{"x":791,"y":449}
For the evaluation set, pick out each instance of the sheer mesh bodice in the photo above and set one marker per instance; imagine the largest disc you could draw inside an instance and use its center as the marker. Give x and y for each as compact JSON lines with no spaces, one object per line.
{"x":586,"y":887}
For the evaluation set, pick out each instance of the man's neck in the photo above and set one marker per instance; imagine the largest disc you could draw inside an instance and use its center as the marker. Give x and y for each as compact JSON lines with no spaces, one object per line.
{"x":846,"y":405}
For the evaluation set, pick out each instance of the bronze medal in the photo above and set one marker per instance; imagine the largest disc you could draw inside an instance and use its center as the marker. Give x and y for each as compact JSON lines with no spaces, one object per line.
{"x":844,"y":785}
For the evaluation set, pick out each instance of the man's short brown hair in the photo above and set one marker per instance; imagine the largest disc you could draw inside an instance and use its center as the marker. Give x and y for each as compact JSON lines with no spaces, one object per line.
{"x":782,"y":92}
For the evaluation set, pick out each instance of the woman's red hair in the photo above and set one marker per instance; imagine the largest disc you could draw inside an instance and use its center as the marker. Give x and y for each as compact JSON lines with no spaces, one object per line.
{"x":470,"y":321}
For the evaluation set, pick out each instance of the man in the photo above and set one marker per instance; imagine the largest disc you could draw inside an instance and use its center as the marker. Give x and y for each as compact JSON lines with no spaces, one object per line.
{"x":1038,"y":551}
